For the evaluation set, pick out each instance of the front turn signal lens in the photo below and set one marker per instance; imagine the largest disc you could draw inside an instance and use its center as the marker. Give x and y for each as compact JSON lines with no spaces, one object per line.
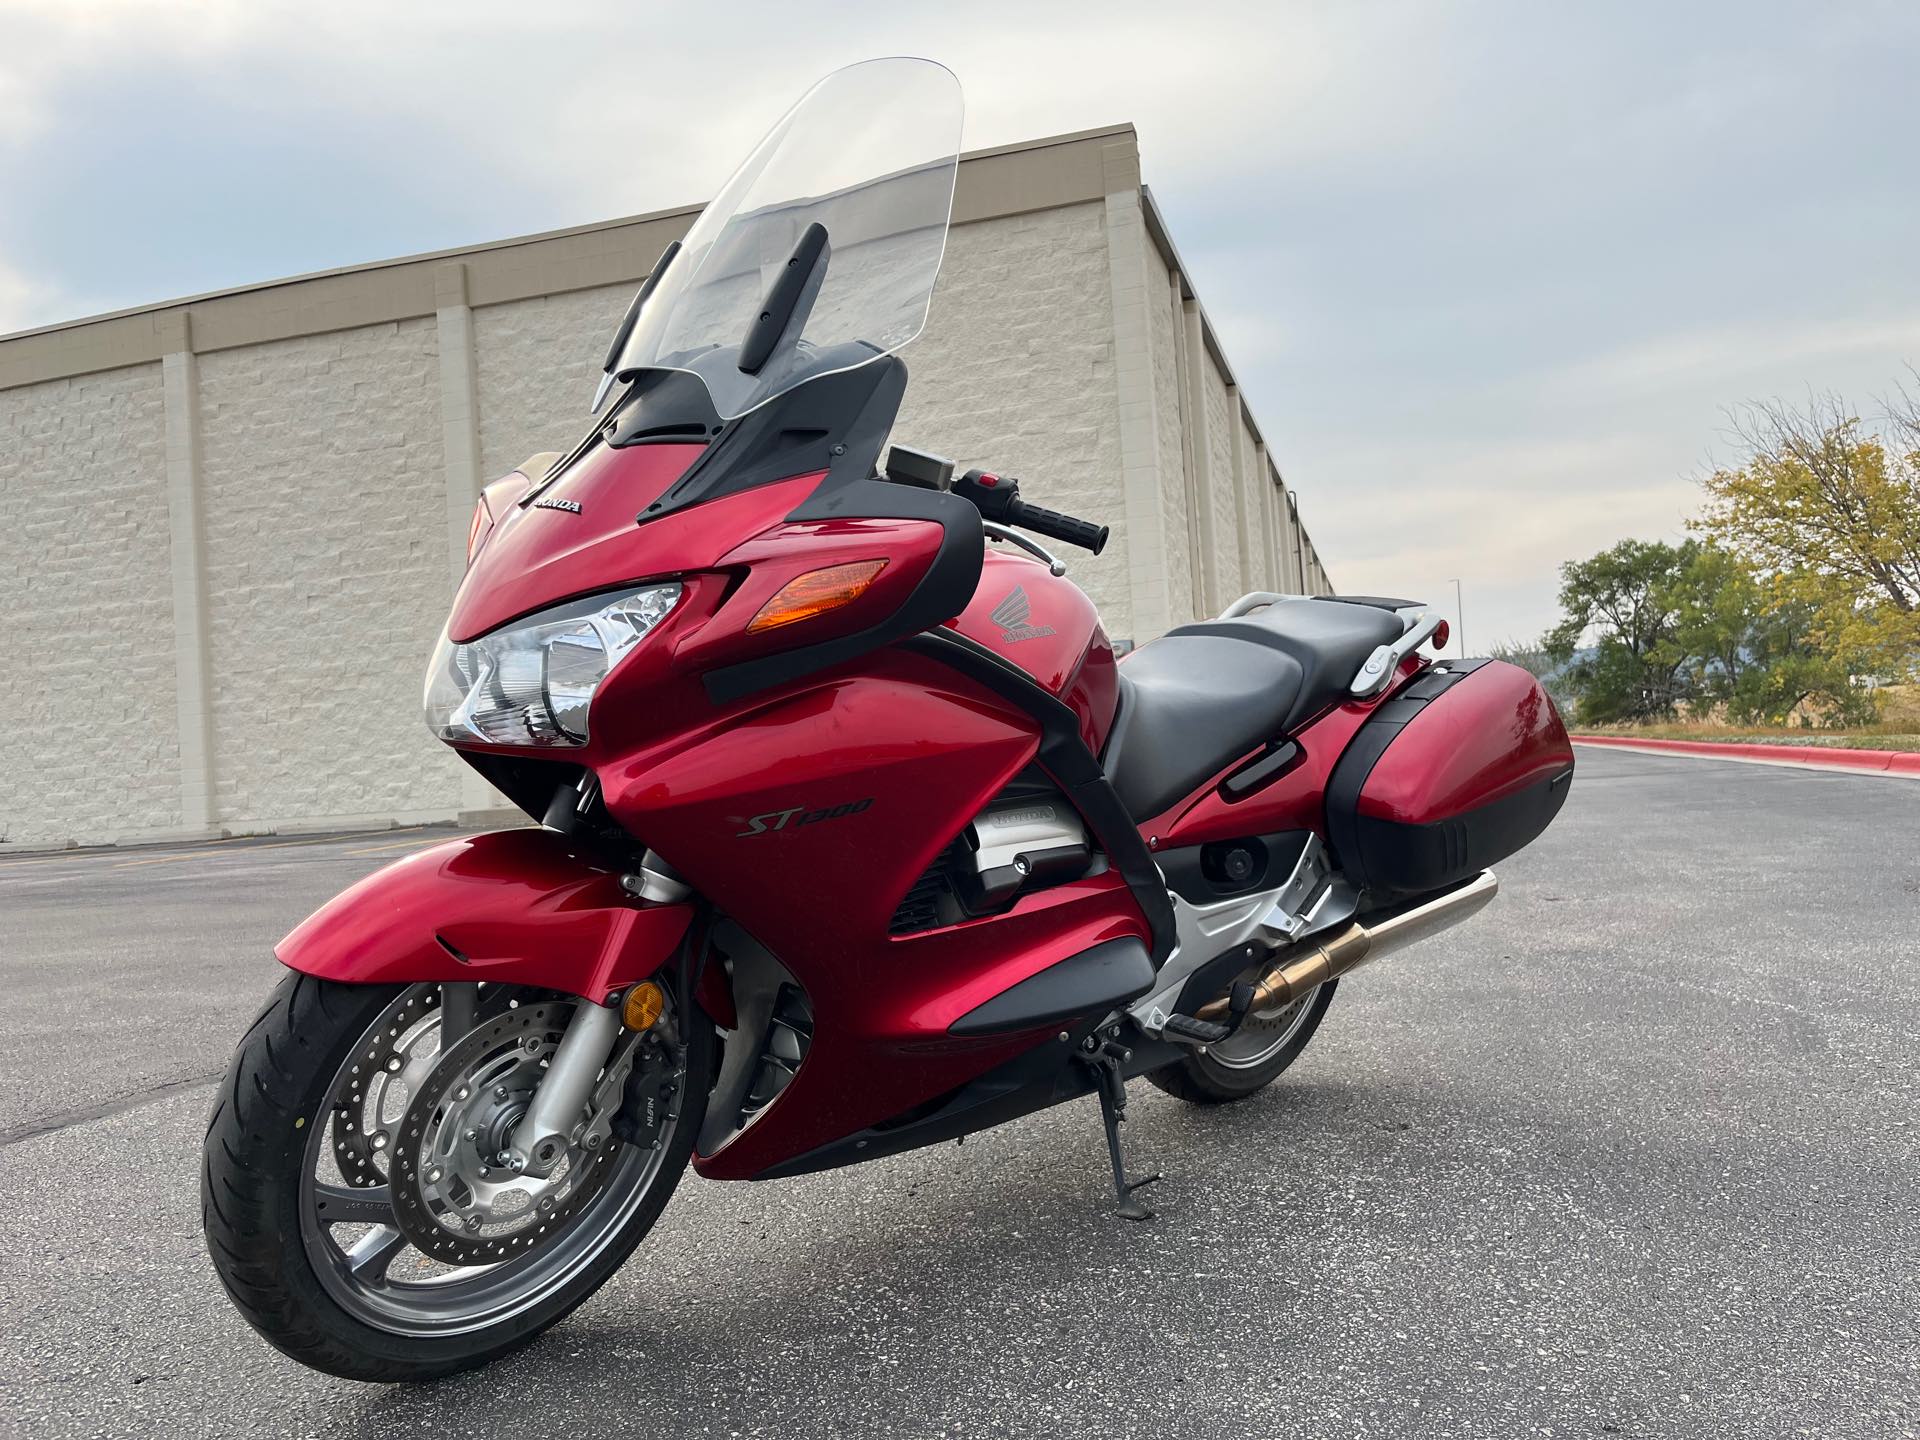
{"x":815,"y":593}
{"x":643,"y":1006}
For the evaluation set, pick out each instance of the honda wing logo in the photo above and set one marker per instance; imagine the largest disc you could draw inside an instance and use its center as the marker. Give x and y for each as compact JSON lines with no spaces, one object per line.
{"x":1011,"y":616}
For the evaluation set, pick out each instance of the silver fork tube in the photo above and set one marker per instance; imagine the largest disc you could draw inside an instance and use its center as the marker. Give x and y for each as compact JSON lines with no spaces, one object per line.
{"x":545,"y":1131}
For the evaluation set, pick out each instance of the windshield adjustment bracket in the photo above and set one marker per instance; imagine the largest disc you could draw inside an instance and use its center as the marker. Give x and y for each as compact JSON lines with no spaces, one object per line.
{"x":790,"y":297}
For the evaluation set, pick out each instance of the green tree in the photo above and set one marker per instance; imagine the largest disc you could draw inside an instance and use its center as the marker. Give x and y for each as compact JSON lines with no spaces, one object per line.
{"x":1622,"y":604}
{"x":1830,"y":516}
{"x":1692,"y":623}
{"x":1756,"y":654}
{"x":1719,"y":610}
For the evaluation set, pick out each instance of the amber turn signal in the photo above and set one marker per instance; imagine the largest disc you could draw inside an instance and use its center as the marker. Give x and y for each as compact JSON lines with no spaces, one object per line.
{"x":643,"y":1006}
{"x":815,"y":593}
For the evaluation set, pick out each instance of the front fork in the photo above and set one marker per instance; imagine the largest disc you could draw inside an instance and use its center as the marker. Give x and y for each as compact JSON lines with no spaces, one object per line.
{"x":545,"y":1132}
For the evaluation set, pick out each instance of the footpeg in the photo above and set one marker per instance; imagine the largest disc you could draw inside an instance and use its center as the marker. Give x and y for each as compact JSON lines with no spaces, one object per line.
{"x":1197,"y":1032}
{"x":1192,"y":1030}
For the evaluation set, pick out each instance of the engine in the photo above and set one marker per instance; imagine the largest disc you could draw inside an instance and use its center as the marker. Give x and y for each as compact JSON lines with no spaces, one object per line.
{"x":1027,"y":839}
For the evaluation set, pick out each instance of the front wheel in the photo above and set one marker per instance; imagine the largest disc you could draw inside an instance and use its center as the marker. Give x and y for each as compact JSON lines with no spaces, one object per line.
{"x":351,"y":1188}
{"x":1251,"y":1058}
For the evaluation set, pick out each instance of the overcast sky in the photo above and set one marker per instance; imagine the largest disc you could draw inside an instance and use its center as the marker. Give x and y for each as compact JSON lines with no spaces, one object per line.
{"x":1488,"y":271}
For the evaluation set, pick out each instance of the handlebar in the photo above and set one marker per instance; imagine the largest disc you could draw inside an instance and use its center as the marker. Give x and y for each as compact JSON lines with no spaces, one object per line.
{"x":997,"y":497}
{"x":1051,"y":523}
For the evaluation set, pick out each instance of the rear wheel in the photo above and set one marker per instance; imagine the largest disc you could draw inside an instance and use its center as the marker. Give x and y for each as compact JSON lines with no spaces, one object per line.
{"x":1250,"y":1059}
{"x":351,"y":1191}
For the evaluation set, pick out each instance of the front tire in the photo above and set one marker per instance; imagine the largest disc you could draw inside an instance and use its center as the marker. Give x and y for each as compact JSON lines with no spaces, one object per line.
{"x":1249,"y":1060}
{"x":361,"y":1304}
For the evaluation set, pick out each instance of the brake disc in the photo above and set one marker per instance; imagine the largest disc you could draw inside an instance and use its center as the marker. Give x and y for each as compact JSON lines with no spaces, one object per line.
{"x":370,"y":1107}
{"x":453,"y":1195}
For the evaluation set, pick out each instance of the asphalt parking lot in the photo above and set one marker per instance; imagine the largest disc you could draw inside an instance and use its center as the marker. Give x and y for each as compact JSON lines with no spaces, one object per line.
{"x":1637,"y":1152}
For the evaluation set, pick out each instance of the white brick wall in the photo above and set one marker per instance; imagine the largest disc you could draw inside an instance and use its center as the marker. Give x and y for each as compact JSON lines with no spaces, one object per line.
{"x":92,"y":740}
{"x":1163,"y":337}
{"x":1218,"y":438}
{"x":537,"y":363}
{"x":1014,"y":373}
{"x":326,"y":576}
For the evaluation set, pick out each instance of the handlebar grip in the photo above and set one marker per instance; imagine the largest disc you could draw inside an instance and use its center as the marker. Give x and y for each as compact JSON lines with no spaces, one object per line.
{"x":1084,"y":533}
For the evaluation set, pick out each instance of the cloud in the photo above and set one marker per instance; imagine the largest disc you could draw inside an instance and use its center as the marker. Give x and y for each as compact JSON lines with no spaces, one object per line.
{"x":1487,"y":272}
{"x":26,"y":303}
{"x":1727,"y":354}
{"x":42,"y":42}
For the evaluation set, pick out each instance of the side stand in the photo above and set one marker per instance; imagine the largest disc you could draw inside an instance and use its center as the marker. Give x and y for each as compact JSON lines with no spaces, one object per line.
{"x":1112,"y":1089}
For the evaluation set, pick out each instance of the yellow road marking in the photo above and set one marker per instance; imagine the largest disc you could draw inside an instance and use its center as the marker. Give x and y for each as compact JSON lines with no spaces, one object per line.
{"x":222,"y":847}
{"x":31,"y":860}
{"x":399,"y":845}
{"x":234,"y":848}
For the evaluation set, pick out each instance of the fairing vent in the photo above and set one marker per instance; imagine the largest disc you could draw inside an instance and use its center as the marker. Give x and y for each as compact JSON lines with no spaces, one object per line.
{"x":932,"y":895}
{"x":789,"y":1036}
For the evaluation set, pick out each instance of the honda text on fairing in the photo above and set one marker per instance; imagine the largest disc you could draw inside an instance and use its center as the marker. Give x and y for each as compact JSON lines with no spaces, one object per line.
{"x":854,"y":836}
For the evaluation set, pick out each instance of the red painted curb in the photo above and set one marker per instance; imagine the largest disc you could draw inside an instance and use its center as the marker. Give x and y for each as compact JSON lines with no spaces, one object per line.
{"x":1875,"y":762}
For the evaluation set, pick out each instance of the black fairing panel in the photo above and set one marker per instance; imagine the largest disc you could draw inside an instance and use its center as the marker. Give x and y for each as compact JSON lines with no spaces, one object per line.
{"x":1089,"y":983}
{"x":837,"y":423}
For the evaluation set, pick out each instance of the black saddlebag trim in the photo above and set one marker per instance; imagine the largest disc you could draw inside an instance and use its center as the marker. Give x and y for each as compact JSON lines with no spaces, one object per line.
{"x":1413,"y":859}
{"x":1389,"y":858}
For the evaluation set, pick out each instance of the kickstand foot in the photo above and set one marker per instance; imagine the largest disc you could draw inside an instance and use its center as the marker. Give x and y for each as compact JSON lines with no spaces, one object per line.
{"x":1112,"y":1089}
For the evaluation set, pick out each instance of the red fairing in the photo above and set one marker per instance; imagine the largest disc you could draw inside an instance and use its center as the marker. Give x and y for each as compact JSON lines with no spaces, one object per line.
{"x":538,"y":557}
{"x":888,"y":1048}
{"x":1493,"y":735}
{"x":805,"y":816}
{"x":520,"y":907}
{"x":1045,"y":624}
{"x":787,"y":551}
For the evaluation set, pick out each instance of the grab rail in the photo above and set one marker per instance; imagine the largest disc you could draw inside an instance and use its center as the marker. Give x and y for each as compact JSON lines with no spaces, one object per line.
{"x":1254,"y":600}
{"x":1379,"y":670}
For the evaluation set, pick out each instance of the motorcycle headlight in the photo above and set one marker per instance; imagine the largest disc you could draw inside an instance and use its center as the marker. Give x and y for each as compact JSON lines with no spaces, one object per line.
{"x":530,"y":683}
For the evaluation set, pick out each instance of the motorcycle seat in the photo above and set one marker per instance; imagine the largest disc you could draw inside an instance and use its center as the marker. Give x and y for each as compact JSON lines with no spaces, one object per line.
{"x":1203,"y":695}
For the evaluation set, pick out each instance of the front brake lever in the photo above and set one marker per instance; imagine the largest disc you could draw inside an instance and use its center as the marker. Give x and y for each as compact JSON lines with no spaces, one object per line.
{"x":1039,"y":552}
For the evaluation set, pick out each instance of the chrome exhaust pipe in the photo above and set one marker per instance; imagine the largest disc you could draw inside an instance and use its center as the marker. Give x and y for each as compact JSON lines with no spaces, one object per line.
{"x":1299,"y":969}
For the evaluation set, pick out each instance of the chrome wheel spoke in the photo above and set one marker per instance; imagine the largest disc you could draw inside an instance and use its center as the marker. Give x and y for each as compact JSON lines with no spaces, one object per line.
{"x":373,"y":1252}
{"x":353,"y":1205}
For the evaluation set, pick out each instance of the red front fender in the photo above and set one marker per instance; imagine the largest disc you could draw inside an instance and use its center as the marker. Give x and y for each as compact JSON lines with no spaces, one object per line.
{"x":523,"y":907}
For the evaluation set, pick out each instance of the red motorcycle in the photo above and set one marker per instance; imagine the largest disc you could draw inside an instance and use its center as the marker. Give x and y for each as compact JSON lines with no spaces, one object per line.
{"x":854,"y":837}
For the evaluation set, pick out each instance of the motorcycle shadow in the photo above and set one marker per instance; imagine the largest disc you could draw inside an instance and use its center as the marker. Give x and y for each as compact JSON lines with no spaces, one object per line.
{"x":887,"y":1285}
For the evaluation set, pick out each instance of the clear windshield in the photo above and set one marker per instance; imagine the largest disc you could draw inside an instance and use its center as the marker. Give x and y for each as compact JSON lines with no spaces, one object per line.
{"x":868,"y":154}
